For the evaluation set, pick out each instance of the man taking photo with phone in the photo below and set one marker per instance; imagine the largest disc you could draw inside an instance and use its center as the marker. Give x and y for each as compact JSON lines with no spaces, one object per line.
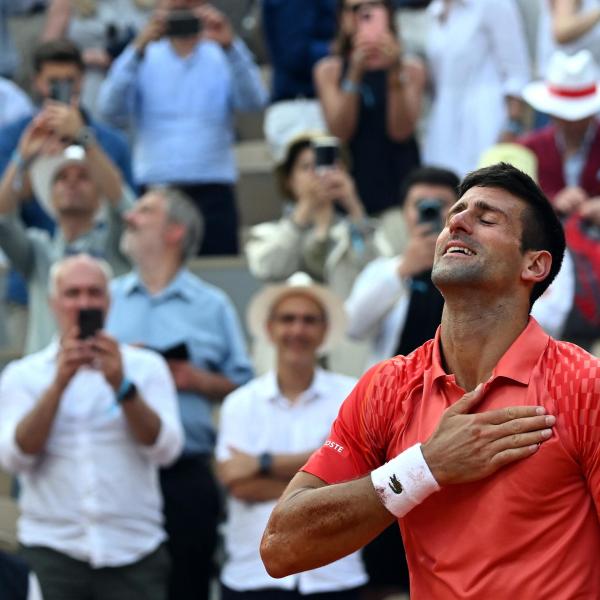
{"x":178,"y":85}
{"x":86,"y":423}
{"x":75,"y":186}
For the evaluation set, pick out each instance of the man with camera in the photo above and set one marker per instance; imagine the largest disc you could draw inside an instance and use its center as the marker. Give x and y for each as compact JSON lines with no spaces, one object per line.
{"x":179,"y":84}
{"x":85,"y":423}
{"x":74,"y":186}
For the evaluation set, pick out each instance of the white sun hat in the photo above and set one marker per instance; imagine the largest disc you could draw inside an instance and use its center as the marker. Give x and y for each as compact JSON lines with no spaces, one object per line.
{"x":261,"y":305}
{"x":44,"y":169}
{"x":571,"y":90}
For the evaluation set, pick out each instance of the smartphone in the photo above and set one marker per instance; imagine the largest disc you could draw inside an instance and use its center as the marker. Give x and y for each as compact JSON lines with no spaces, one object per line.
{"x":183,"y":23}
{"x":430,"y":213}
{"x":61,"y":90}
{"x":90,"y":321}
{"x":177,"y":352}
{"x":373,"y":23}
{"x":326,"y":152}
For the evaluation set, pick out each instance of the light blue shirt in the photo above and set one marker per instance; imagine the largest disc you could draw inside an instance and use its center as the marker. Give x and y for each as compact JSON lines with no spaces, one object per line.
{"x":191,"y":311}
{"x":182,"y":108}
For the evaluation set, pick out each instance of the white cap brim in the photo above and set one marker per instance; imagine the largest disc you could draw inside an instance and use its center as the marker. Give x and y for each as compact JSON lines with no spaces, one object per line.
{"x":539,"y":97}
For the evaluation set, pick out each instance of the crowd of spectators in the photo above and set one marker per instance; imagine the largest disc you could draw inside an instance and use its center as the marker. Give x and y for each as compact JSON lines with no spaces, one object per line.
{"x":118,"y":130}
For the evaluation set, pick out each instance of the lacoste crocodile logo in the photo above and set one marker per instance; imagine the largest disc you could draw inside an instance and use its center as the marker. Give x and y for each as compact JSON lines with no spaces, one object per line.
{"x":395,"y":485}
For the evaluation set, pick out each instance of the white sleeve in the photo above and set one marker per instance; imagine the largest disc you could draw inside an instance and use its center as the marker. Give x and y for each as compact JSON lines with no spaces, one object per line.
{"x":15,"y":404}
{"x":35,"y":591}
{"x":234,"y":426}
{"x":509,"y":44}
{"x":375,"y":292}
{"x":157,"y":389}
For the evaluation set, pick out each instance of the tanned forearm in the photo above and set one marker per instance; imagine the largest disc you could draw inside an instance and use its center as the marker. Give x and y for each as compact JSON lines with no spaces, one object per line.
{"x":258,"y":489}
{"x":142,"y":420}
{"x":285,"y":466}
{"x":404,"y":93}
{"x":568,"y":23}
{"x":11,"y":190}
{"x":310,"y":518}
{"x":105,"y":174}
{"x":33,"y":430}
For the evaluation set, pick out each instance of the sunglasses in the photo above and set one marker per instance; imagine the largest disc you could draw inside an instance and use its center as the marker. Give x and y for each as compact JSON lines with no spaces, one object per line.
{"x":290,"y":318}
{"x":356,"y":8}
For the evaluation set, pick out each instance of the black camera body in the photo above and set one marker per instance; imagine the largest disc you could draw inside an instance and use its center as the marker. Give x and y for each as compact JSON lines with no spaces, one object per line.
{"x":430,"y":213}
{"x":183,"y":23}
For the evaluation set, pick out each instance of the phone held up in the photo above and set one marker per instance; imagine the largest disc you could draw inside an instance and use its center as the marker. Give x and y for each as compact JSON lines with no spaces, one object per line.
{"x":61,"y":90}
{"x":326,"y":153}
{"x":183,"y":23}
{"x":430,"y":213}
{"x":90,"y":321}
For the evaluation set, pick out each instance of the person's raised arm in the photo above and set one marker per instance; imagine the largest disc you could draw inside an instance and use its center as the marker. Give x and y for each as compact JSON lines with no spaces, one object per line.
{"x":340,"y":100}
{"x":569,"y":23}
{"x":58,"y":16}
{"x":314,"y":524}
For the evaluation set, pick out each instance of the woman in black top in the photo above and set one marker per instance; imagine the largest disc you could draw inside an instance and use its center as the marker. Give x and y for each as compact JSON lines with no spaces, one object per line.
{"x":371,"y":96}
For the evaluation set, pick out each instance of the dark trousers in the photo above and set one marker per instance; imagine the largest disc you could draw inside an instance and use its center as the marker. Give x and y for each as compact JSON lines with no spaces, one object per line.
{"x":274,"y":594}
{"x":216,"y":203}
{"x":192,"y":506}
{"x":64,"y":578}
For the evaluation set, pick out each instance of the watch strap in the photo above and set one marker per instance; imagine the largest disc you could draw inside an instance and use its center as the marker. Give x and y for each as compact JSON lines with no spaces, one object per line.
{"x":127,"y":391}
{"x":265,"y":462}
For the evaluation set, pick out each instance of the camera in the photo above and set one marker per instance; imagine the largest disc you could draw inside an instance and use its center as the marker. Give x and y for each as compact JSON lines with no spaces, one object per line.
{"x":430,"y":213}
{"x":183,"y":23}
{"x":61,"y":90}
{"x":326,"y":152}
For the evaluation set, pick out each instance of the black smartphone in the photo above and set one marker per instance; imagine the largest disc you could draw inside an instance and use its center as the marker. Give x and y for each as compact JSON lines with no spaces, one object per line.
{"x":326,"y":152}
{"x":183,"y":23}
{"x":177,"y":352}
{"x":430,"y":213}
{"x":90,"y":321}
{"x":61,"y":90}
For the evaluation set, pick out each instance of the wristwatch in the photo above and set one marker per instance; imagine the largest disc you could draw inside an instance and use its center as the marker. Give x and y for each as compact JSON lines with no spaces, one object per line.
{"x":85,"y":137}
{"x":127,"y":391}
{"x":265,"y":462}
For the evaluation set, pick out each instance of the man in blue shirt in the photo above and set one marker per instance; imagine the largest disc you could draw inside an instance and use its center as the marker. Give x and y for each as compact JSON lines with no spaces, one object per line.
{"x":163,"y":306}
{"x":178,"y":84}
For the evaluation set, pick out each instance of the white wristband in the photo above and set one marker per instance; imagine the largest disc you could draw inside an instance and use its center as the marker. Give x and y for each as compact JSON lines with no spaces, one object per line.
{"x":404,"y":482}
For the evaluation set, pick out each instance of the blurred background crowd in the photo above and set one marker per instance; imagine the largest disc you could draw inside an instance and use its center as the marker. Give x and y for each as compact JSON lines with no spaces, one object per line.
{"x":241,"y":200}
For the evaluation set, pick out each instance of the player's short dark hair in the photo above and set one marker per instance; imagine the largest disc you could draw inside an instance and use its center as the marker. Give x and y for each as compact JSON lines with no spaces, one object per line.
{"x":60,"y":51}
{"x":429,"y":176}
{"x":542,"y":230}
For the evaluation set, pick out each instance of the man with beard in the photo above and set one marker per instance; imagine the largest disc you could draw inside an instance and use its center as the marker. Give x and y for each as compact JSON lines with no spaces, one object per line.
{"x":193,"y":324}
{"x":492,"y":502}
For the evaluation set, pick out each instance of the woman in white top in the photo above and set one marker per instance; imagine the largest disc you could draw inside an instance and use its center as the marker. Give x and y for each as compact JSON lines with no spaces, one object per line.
{"x":567,"y":25}
{"x":478,"y":63}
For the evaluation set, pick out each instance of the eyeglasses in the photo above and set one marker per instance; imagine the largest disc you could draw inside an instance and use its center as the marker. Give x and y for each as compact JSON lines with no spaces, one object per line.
{"x":290,"y":318}
{"x":355,"y":8}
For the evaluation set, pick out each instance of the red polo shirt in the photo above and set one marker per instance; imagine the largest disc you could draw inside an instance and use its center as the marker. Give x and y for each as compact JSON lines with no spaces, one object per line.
{"x":529,"y":531}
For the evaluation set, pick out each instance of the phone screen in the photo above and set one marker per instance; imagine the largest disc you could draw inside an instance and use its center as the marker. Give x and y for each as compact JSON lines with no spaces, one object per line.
{"x":326,"y":152}
{"x":90,"y":321}
{"x":61,"y":90}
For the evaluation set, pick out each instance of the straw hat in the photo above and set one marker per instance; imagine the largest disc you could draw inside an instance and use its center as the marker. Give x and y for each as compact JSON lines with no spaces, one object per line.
{"x":261,"y":306}
{"x":514,"y":154}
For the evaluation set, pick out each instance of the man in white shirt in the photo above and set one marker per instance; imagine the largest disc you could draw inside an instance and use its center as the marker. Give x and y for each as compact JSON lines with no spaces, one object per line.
{"x":268,"y":429}
{"x":86,"y":423}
